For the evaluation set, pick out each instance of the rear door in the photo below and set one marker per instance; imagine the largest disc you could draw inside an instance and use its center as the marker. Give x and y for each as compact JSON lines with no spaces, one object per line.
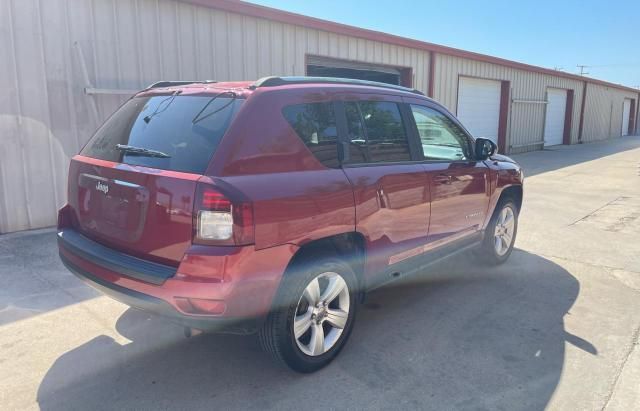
{"x":142,"y":203}
{"x":459,"y":184}
{"x":390,"y":186}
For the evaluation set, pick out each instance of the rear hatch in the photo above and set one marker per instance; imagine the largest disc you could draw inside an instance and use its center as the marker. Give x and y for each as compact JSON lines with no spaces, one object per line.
{"x":132,"y":187}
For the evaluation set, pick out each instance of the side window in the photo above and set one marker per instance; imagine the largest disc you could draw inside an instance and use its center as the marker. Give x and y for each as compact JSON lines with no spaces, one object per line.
{"x":376,"y":132}
{"x":315,"y":124}
{"x":441,"y":138}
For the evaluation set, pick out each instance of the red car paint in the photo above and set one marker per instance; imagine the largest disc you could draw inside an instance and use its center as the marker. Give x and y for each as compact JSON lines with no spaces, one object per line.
{"x":401,"y":210}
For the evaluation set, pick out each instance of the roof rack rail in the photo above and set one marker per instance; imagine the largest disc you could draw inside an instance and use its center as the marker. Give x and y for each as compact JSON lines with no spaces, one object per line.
{"x":274,"y":81}
{"x":165,"y":83}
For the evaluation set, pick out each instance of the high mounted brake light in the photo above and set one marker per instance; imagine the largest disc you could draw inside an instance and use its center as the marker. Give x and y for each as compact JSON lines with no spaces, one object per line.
{"x":219,"y":220}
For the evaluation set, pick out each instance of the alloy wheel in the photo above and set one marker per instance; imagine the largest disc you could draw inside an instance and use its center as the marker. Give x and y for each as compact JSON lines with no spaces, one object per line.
{"x":321,"y":314}
{"x":503,"y":235}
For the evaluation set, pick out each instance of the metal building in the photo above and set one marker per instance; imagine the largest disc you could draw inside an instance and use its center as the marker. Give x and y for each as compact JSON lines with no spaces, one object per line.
{"x":65,"y":65}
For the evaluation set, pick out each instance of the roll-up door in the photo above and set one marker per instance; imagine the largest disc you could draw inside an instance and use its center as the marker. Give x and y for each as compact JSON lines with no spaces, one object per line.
{"x":479,"y":106}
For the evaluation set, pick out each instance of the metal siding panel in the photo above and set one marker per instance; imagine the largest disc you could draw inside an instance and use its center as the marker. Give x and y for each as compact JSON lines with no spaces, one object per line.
{"x":127,"y":48}
{"x":221,"y":62}
{"x":106,"y":59}
{"x":334,"y":46}
{"x":299,"y":51}
{"x":235,"y":36}
{"x":288,"y":50}
{"x":313,"y":40}
{"x":204,"y":45}
{"x":598,"y":113}
{"x":250,"y":49}
{"x":34,"y":120}
{"x":264,"y":49}
{"x":369,"y":51}
{"x":361,"y":54}
{"x":60,"y":118}
{"x":14,"y":214}
{"x":352,"y":48}
{"x":81,"y":37}
{"x":379,"y":55}
{"x":386,"y":59}
{"x":323,"y":43}
{"x":149,"y":48}
{"x":277,"y":44}
{"x":626,"y":116}
{"x":167,"y":41}
{"x":343,"y":47}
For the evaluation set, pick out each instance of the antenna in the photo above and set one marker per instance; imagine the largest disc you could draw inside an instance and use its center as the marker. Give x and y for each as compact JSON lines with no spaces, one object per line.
{"x":582,"y":67}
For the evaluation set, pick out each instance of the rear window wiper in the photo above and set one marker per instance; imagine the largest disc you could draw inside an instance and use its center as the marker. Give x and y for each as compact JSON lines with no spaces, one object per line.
{"x":141,"y":151}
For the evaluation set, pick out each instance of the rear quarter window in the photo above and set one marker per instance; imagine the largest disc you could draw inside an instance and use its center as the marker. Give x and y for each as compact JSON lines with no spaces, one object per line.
{"x":315,"y":124}
{"x":186,"y":128}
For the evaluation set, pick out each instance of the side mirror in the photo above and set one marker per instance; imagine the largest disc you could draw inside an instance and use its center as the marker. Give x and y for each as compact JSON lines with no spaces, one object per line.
{"x":485,"y":148}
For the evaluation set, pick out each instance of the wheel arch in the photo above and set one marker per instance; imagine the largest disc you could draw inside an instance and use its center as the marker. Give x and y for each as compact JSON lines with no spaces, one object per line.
{"x":514,"y":192}
{"x":349,"y":247}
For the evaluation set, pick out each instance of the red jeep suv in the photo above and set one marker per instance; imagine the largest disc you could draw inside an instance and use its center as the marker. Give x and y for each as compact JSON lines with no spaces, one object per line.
{"x":273,"y":206}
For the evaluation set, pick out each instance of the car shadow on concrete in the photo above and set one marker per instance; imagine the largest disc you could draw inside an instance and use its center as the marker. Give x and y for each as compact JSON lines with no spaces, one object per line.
{"x":458,"y":337}
{"x":558,"y":157}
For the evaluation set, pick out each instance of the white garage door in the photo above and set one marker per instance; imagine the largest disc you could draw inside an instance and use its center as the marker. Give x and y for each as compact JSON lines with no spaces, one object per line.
{"x":626,"y":113}
{"x":479,"y":106}
{"x":554,"y":119}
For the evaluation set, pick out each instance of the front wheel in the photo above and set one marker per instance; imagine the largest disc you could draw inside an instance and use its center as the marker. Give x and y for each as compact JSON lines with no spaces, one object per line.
{"x":500,"y":234}
{"x":313,"y":315}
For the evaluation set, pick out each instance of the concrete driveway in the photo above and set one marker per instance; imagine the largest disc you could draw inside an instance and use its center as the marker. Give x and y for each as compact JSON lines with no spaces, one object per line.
{"x":555,"y":327}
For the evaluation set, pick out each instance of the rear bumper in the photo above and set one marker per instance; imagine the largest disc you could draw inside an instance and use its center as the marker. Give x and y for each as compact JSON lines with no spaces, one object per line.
{"x":245,"y":287}
{"x":160,"y":307}
{"x":113,"y":260}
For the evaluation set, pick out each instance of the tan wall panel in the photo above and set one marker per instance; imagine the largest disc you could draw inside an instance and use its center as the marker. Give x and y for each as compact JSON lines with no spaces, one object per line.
{"x":603,"y":112}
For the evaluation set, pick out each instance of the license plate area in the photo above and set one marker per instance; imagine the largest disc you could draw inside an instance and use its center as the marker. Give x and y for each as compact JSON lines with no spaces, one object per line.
{"x":112,"y":208}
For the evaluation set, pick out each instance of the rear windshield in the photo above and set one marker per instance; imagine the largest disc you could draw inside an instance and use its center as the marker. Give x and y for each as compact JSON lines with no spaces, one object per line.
{"x":187,"y":129}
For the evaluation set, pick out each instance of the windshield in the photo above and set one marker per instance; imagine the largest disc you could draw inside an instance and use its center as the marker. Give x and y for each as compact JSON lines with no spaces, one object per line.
{"x":187,"y":129}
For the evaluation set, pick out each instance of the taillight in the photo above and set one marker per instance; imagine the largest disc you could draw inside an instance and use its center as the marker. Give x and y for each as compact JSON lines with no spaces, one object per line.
{"x":221,"y":218}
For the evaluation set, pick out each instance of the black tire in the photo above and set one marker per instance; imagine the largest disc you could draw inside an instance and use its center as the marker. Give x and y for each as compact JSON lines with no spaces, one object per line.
{"x":277,"y":334}
{"x":487,"y":251}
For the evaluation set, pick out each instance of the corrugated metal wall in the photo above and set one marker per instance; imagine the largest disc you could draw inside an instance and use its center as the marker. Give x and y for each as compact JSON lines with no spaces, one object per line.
{"x":525,"y":131}
{"x":603,"y":112}
{"x":50,"y":50}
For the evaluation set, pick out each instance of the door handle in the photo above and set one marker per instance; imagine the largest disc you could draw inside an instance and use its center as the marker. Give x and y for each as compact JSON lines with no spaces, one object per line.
{"x":442,"y":179}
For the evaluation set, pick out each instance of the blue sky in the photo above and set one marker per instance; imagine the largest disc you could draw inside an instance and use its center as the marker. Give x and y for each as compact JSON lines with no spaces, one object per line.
{"x":601,"y":34}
